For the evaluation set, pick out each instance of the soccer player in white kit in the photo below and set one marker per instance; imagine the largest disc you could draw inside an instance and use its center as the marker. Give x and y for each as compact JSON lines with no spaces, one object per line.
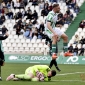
{"x":54,"y":33}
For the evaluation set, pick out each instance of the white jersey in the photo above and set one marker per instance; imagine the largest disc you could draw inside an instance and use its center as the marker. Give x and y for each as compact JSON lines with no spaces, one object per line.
{"x":52,"y":17}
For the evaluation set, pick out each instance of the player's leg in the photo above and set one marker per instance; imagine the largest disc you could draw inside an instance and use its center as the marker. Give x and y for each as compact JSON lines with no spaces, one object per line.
{"x":29,"y":73}
{"x":35,"y":79}
{"x":53,"y":50}
{"x":0,"y":73}
{"x":22,"y":77}
{"x":18,"y":77}
{"x":1,"y":62}
{"x":55,"y":63}
{"x":10,"y":77}
{"x":54,"y":54}
{"x":65,"y":41}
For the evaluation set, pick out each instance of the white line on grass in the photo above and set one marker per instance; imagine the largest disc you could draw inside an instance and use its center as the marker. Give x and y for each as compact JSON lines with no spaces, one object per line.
{"x":69,"y":73}
{"x":69,"y":80}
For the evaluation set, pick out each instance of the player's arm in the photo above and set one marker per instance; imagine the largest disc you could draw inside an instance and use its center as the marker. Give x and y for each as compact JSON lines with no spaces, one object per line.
{"x":47,"y":79}
{"x":3,"y":37}
{"x":50,"y":27}
{"x":49,"y":22}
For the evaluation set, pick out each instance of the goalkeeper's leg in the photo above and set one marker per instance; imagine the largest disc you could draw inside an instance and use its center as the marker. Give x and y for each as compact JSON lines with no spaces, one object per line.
{"x":18,"y":77}
{"x":23,"y":77}
{"x":35,"y":79}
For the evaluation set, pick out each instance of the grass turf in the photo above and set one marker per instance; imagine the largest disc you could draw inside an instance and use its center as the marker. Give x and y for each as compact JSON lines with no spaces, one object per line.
{"x":74,"y":78}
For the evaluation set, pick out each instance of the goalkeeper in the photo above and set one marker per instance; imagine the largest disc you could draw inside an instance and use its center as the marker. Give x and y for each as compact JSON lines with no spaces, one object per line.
{"x":34,"y":73}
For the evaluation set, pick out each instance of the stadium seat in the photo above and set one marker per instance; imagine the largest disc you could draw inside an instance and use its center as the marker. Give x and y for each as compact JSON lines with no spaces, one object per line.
{"x":74,"y":45}
{"x":6,"y":25}
{"x":8,"y":44}
{"x":79,"y":30}
{"x":4,"y":44}
{"x":6,"y":49}
{"x":8,"y":21}
{"x":16,"y":10}
{"x":33,"y":41}
{"x":21,"y":37}
{"x":72,"y":11}
{"x":40,"y":45}
{"x":30,"y":4}
{"x":15,"y":37}
{"x":37,"y":9}
{"x":14,"y":45}
{"x":46,"y":50}
{"x":74,"y":14}
{"x":38,"y":41}
{"x":22,"y":41}
{"x":17,"y":40}
{"x":13,"y":21}
{"x":84,"y":30}
{"x":21,"y":49}
{"x":63,"y":29}
{"x":19,"y":45}
{"x":27,"y":41}
{"x":13,"y":33}
{"x":24,"y":45}
{"x":11,"y":29}
{"x":37,"y":50}
{"x":35,"y":45}
{"x":43,"y":41}
{"x":65,"y":26}
{"x":27,"y":21}
{"x":7,"y":41}
{"x":13,"y":10}
{"x":11,"y":49}
{"x":16,"y":49}
{"x":79,"y":46}
{"x":82,"y":34}
{"x":12,"y":40}
{"x":71,"y":42}
{"x":63,"y":4}
{"x":84,"y":46}
{"x":30,"y":45}
{"x":32,"y":50}
{"x":32,"y":8}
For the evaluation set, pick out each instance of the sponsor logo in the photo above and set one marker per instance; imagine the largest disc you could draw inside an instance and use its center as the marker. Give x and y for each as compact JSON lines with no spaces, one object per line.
{"x":29,"y":58}
{"x":72,"y":60}
{"x":13,"y":58}
{"x":83,"y":59}
{"x":18,"y":58}
{"x":43,"y":58}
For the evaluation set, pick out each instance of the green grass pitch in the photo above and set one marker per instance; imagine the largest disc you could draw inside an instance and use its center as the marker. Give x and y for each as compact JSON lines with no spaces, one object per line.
{"x":69,"y":75}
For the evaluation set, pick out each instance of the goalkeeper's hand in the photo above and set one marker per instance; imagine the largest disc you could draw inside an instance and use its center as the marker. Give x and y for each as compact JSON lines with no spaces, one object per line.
{"x":40,"y":76}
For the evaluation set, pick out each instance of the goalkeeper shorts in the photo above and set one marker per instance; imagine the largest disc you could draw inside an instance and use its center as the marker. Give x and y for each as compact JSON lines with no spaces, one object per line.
{"x":29,"y":70}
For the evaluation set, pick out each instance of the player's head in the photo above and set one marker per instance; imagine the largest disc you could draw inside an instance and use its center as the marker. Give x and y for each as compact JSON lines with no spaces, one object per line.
{"x":56,"y":8}
{"x":51,"y":73}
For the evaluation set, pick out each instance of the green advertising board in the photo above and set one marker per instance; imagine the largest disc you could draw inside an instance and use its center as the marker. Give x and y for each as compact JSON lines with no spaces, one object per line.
{"x":17,"y":58}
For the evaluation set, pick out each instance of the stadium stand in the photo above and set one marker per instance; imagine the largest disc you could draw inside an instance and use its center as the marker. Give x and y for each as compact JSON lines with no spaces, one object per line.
{"x":19,"y":43}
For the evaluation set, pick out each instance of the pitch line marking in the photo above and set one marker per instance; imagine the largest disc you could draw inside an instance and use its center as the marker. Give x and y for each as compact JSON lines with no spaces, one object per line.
{"x":69,"y":73}
{"x":69,"y":80}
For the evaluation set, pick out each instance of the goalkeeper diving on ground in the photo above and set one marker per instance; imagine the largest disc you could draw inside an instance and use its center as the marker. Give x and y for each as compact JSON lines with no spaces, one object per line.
{"x":34,"y":73}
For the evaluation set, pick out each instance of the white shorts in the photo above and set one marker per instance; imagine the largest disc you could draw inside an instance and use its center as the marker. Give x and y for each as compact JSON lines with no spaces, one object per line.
{"x":58,"y":31}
